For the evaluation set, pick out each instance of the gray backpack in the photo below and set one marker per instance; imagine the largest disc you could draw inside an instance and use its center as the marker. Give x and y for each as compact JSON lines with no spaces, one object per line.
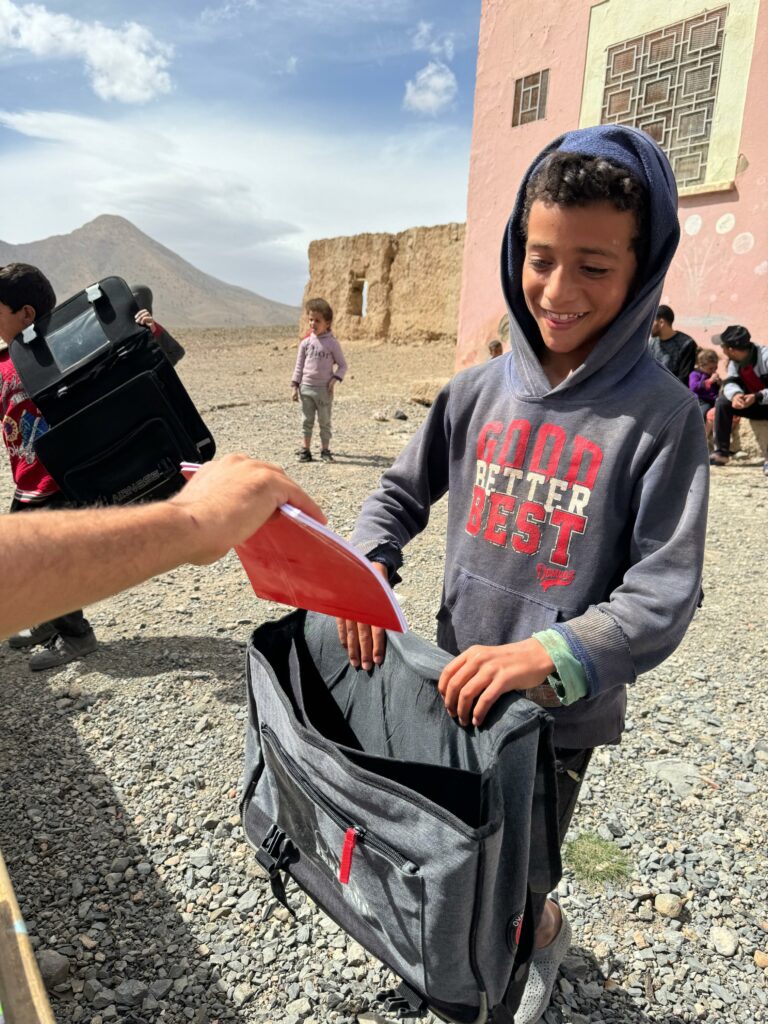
{"x":411,"y":832}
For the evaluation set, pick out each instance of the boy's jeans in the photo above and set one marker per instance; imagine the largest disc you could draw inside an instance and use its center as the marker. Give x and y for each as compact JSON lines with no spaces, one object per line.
{"x":571,"y":768}
{"x":320,"y":401}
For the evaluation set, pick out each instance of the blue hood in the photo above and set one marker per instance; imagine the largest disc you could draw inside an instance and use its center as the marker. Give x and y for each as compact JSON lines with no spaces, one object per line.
{"x":626,"y":340}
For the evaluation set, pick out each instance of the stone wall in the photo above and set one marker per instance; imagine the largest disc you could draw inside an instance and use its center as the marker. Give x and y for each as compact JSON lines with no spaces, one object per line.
{"x":383,"y":287}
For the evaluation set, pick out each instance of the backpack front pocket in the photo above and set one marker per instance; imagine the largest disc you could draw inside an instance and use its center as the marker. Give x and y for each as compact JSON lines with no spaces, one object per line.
{"x":381,"y":885}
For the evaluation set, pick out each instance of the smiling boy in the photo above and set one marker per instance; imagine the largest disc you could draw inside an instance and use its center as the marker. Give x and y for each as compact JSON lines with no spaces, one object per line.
{"x":577,"y":476}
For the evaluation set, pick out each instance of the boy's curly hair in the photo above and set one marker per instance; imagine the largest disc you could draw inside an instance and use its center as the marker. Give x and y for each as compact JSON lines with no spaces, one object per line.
{"x":576,"y":179}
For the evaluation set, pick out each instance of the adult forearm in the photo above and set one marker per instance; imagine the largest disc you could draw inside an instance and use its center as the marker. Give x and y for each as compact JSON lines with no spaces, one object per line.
{"x":53,"y":562}
{"x":61,"y":560}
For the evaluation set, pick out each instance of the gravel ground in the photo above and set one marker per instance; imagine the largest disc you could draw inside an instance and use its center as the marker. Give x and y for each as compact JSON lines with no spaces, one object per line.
{"x":119,"y":774}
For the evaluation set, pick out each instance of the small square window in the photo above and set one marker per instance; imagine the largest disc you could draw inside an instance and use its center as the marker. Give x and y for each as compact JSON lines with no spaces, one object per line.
{"x":530,"y":102}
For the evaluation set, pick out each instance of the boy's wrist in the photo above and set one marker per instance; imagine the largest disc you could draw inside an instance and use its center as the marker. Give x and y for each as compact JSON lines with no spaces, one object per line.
{"x":540,"y":659}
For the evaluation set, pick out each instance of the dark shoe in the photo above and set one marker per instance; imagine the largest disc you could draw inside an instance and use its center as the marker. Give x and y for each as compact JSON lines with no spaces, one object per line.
{"x":718,"y":459}
{"x":306,"y":455}
{"x":765,"y":468}
{"x":32,"y":637}
{"x":63,"y":649}
{"x":326,"y":455}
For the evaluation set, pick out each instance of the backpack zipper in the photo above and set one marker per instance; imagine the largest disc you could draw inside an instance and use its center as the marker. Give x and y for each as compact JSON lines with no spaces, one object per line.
{"x":349,"y":827}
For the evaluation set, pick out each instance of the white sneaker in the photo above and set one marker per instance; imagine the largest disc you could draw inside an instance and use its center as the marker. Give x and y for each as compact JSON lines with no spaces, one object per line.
{"x":542,"y":975}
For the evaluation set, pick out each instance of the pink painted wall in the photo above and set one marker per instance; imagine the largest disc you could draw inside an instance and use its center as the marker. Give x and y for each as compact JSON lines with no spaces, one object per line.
{"x":721,"y":277}
{"x":711,"y":283}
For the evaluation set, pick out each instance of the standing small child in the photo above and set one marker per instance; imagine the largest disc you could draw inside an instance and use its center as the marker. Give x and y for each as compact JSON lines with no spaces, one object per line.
{"x":320,"y":363}
{"x":704,"y":381}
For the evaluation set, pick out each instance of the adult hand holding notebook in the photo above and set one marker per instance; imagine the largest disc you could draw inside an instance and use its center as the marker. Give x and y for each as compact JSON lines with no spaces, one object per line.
{"x":297,"y":561}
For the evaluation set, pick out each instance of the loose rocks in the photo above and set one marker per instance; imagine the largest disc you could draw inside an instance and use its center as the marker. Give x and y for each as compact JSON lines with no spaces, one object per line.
{"x":119,"y":805}
{"x":725,"y":941}
{"x":668,"y":905}
{"x":54,"y":968}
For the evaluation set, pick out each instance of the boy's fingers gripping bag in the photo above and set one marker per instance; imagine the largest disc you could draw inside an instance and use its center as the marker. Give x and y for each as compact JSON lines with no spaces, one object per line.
{"x":120,"y":420}
{"x":413,"y":833}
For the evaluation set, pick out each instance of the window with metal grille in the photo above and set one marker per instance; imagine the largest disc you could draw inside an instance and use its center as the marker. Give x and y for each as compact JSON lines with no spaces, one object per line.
{"x":530,"y":98}
{"x":665,"y":83}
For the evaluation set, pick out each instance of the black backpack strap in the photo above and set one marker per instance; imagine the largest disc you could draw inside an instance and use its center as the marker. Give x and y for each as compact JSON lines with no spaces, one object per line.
{"x":524,"y":929}
{"x":275,"y":855}
{"x":403,"y":1001}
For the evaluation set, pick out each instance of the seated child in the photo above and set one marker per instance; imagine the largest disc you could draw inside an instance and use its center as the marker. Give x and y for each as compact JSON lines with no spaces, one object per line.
{"x":704,"y":380}
{"x":576,"y":507}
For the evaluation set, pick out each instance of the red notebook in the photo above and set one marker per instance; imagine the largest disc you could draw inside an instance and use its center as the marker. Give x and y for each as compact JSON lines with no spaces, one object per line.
{"x":297,"y":561}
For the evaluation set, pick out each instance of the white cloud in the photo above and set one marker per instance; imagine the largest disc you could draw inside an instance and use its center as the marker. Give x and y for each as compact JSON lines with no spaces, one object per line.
{"x":425,"y":40}
{"x":432,"y":90}
{"x":243,"y":210}
{"x":317,"y":13}
{"x":126,"y":64}
{"x":224,"y":12}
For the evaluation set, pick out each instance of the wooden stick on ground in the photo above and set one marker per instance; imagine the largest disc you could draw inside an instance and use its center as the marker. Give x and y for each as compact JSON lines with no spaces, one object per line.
{"x":22,"y":993}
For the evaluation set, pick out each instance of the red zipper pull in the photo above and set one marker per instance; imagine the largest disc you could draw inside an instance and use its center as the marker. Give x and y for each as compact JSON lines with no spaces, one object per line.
{"x":350,"y":842}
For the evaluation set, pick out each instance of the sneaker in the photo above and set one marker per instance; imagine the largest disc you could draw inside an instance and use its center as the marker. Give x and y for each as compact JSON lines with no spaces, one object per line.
{"x":765,"y":473}
{"x":306,"y":455}
{"x":542,"y":975}
{"x":326,"y":455}
{"x":63,"y":649}
{"x":718,"y":459}
{"x":32,"y":637}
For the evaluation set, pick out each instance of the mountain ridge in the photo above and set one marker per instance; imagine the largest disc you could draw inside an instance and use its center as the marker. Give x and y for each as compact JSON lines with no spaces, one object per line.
{"x":184,"y":295}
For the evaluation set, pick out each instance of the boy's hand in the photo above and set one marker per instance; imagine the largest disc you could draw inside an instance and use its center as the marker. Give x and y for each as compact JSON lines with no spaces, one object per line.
{"x":331,"y":386}
{"x":480,"y":675}
{"x":365,"y":645}
{"x":294,"y":393}
{"x":145,"y":318}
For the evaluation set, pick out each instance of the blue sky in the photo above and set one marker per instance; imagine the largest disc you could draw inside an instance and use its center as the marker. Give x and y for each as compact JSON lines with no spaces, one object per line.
{"x":236,"y":131}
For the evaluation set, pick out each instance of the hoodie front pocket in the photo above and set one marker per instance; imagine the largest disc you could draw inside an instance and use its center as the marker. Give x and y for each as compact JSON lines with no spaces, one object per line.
{"x":483,"y":612}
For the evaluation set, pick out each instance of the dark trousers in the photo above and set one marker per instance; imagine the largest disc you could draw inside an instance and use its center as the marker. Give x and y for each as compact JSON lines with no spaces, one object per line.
{"x":571,"y":768}
{"x":724,"y":413}
{"x":705,"y":406}
{"x":73,"y":623}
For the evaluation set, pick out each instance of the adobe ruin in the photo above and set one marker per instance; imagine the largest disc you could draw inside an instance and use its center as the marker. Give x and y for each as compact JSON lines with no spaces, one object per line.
{"x":390,"y":287}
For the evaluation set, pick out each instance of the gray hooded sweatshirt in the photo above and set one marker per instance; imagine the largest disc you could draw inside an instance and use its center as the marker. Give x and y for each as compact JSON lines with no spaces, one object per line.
{"x":579,"y":507}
